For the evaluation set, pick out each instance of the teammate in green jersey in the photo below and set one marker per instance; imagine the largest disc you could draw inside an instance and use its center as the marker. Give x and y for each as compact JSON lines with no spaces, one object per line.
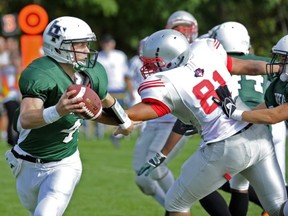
{"x":274,"y":109}
{"x":236,"y":41}
{"x":46,"y":160}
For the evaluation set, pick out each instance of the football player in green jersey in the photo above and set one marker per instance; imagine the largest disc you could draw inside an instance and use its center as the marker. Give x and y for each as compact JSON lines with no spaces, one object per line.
{"x":274,"y":109}
{"x":46,"y":160}
{"x":236,"y":41}
{"x":275,"y":95}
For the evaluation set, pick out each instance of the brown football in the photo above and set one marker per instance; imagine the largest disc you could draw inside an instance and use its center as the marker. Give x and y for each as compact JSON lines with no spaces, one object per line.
{"x":93,"y":106}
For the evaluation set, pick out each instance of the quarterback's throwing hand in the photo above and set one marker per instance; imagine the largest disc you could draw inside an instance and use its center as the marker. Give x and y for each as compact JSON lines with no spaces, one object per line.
{"x":225,"y":101}
{"x":150,"y":165}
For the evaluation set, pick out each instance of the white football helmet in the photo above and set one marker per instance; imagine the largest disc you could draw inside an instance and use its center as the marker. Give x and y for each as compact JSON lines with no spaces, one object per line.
{"x":163,"y":50}
{"x":58,"y":39}
{"x":233,"y":36}
{"x":280,"y":57}
{"x":185,"y":23}
{"x":210,"y":33}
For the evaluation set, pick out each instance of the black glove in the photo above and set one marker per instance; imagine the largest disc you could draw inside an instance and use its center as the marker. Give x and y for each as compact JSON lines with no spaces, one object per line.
{"x":150,"y":165}
{"x":226,"y":102}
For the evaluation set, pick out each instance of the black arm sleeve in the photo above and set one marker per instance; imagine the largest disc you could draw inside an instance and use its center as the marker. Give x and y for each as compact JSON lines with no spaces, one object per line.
{"x":117,"y":112}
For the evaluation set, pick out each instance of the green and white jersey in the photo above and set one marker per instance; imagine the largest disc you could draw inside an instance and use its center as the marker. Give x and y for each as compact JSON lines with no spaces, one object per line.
{"x":277,"y":93}
{"x":251,"y":88}
{"x":45,"y":79}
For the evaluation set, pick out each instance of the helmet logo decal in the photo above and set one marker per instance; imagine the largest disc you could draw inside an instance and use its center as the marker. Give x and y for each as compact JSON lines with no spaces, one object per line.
{"x":199,"y":72}
{"x":157,"y":56}
{"x":55,"y":31}
{"x":157,"y":52}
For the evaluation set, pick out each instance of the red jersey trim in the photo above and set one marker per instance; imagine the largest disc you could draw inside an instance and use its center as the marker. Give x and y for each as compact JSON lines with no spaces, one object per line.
{"x":216,"y":43}
{"x":160,"y":108}
{"x":229,"y":59}
{"x":229,"y":63}
{"x":150,"y":84}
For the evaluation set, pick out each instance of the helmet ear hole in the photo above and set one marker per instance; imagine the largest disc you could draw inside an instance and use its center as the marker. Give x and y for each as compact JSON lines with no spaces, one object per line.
{"x":58,"y":51}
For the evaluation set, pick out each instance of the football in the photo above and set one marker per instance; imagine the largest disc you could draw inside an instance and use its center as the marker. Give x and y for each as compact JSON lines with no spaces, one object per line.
{"x":93,"y":106}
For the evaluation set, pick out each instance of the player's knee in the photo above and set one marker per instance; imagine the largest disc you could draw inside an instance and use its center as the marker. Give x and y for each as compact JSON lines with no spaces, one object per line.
{"x":159,"y":172}
{"x":146,"y":185}
{"x":239,"y":184}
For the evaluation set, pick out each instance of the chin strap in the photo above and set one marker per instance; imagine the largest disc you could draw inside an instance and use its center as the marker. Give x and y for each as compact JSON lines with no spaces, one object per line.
{"x":78,"y":67}
{"x":284,"y":77}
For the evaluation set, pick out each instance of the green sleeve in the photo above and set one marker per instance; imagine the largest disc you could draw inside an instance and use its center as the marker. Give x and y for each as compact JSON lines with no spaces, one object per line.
{"x":31,"y":84}
{"x":99,"y":80}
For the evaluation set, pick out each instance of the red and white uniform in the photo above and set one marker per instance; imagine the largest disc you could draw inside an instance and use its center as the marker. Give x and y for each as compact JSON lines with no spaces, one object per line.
{"x":187,"y":91}
{"x":226,"y":150}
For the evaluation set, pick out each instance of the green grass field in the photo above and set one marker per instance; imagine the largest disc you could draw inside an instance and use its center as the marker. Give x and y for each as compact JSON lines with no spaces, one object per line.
{"x":107,"y":186}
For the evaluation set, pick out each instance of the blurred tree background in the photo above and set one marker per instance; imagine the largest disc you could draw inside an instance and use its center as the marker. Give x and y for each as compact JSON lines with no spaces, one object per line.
{"x":131,"y":20}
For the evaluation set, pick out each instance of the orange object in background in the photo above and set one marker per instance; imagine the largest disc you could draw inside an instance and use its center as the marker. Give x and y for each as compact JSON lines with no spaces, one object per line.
{"x":32,"y":20}
{"x":31,"y":48}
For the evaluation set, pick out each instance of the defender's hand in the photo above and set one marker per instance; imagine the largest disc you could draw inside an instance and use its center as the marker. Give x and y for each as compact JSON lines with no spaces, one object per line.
{"x":150,"y":165}
{"x":127,"y":131}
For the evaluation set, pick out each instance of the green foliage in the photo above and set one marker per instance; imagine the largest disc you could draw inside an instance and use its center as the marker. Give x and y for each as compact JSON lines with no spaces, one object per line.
{"x":109,"y":7}
{"x":130,"y":21}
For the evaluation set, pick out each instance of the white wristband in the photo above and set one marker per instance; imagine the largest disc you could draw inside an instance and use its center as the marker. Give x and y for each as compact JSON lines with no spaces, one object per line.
{"x":50,"y":115}
{"x":237,"y":115}
{"x":126,"y":124}
{"x":162,"y":155}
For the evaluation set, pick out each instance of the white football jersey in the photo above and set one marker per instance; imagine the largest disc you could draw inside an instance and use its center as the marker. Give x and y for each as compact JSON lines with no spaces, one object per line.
{"x":187,"y":91}
{"x":115,"y":63}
